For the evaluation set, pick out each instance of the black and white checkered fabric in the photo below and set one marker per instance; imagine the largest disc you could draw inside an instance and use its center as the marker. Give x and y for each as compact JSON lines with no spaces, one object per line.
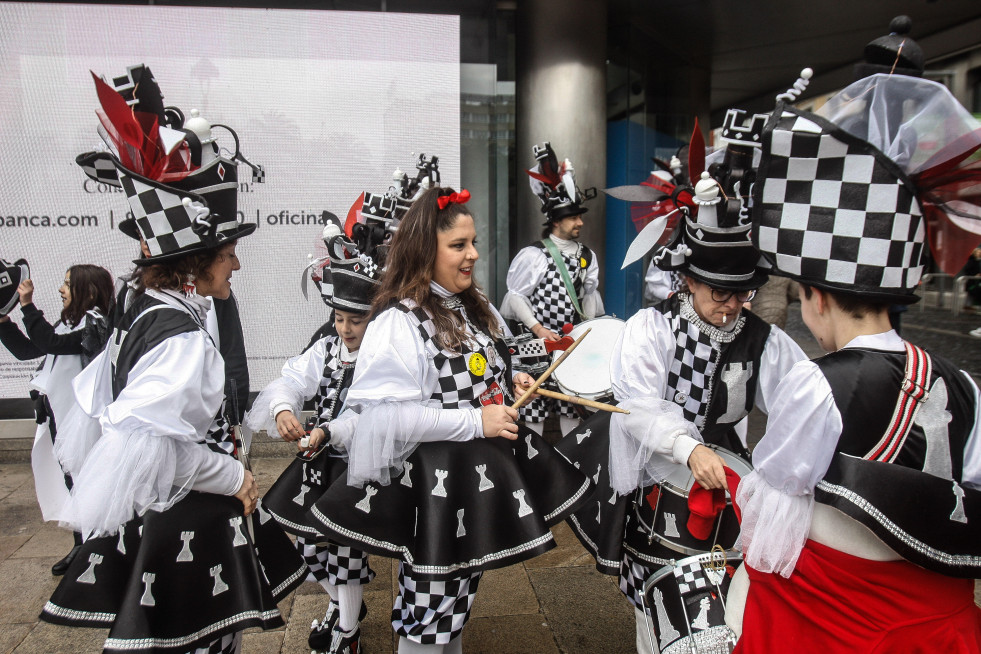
{"x":335,"y":564}
{"x":227,"y":644}
{"x":458,"y":387}
{"x":165,"y":223}
{"x":831,"y":209}
{"x":332,"y":379}
{"x":220,"y":438}
{"x":538,"y":410}
{"x":551,"y":302}
{"x":433,"y":612}
{"x":633,"y":574}
{"x":690,"y":576}
{"x":691,"y":370}
{"x":99,"y":167}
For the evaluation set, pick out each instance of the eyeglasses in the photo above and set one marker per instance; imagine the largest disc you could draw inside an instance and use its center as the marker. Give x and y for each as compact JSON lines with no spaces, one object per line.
{"x":723,"y":296}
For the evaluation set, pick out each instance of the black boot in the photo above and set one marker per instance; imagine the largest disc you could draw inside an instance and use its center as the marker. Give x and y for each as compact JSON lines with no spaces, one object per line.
{"x":61,"y":567}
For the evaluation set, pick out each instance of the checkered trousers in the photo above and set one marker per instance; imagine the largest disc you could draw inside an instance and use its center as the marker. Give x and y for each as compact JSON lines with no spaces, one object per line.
{"x":829,"y":208}
{"x":551,"y":302}
{"x":335,"y":564}
{"x":458,"y":387}
{"x":692,"y":368}
{"x":633,"y":574}
{"x":227,"y":644}
{"x":433,"y":612}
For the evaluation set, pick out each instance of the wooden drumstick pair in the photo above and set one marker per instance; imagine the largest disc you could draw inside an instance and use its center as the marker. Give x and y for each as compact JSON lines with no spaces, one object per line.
{"x":562,"y":396}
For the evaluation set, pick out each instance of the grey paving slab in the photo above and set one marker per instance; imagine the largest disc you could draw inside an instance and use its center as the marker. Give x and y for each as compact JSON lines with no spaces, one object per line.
{"x":13,"y":476}
{"x":567,"y":551}
{"x":27,"y":585}
{"x":49,"y":542}
{"x":505,"y":592}
{"x":11,"y":635}
{"x":511,"y":634}
{"x":263,"y":642}
{"x":51,"y":639}
{"x":584,"y":610}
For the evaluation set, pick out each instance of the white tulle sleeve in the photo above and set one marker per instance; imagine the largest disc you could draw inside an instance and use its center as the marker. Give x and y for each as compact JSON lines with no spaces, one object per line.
{"x":151,"y":453}
{"x":525,"y":274}
{"x":777,"y":498}
{"x":650,"y":442}
{"x":388,"y":410}
{"x":298,"y":382}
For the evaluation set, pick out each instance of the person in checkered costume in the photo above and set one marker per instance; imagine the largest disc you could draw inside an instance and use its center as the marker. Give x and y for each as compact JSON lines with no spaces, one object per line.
{"x":177,"y":555}
{"x":537,"y":297}
{"x":689,"y":370}
{"x":862,"y":519}
{"x":439,"y":474}
{"x":323,"y":373}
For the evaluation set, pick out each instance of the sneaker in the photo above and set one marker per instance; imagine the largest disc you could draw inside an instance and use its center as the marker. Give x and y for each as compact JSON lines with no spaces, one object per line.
{"x":344,"y":642}
{"x":976,"y":332}
{"x":321,"y":633}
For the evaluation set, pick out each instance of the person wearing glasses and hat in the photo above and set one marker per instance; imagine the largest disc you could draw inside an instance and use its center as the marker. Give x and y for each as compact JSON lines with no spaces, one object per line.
{"x":689,"y":370}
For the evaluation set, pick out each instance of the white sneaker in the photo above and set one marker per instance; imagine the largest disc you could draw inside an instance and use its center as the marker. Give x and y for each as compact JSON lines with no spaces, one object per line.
{"x":976,"y":333}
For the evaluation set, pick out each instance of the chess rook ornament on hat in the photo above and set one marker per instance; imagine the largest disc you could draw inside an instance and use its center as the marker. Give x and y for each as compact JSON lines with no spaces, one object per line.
{"x":11,"y":275}
{"x":847,"y":197}
{"x":182,"y":190}
{"x":712,"y":241}
{"x":555,"y":185}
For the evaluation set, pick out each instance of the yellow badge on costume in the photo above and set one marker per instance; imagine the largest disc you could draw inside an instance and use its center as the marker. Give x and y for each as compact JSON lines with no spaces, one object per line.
{"x":582,"y":262}
{"x":477,"y":364}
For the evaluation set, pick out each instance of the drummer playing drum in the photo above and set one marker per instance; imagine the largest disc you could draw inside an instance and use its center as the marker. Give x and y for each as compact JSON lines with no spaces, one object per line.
{"x":690,"y":368}
{"x":554,"y":281}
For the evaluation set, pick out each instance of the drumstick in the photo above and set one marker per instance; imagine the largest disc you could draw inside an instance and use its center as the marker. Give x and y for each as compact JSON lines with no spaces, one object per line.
{"x":581,"y":401}
{"x":555,"y":364}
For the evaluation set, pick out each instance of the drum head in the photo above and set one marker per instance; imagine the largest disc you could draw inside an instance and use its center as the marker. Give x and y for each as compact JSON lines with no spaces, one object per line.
{"x":681,"y":480}
{"x":586,"y":372}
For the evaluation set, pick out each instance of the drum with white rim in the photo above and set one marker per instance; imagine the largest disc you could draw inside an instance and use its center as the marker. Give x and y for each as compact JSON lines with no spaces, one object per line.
{"x":663,"y":513}
{"x":586,"y":371}
{"x":686,"y":604}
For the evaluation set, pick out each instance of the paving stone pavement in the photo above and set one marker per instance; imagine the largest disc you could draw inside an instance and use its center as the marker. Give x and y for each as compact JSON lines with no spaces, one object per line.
{"x":555,"y":603}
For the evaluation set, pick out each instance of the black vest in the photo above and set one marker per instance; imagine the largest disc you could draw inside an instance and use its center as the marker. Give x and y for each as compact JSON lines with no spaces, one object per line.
{"x":915,"y":503}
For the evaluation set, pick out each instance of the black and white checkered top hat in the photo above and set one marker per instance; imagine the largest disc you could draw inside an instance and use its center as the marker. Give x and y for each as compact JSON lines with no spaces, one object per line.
{"x":555,"y":185}
{"x":350,"y":279}
{"x":11,"y":275}
{"x":182,"y":191}
{"x":840,"y":195}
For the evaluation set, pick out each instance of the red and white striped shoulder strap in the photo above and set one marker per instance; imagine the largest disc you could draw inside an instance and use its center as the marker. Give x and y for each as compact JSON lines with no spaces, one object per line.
{"x":912,"y":393}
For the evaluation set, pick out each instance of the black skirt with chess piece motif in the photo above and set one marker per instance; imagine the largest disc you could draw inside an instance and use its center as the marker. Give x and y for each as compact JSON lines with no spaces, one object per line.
{"x":498,"y":497}
{"x":179,"y":579}
{"x":307,"y":477}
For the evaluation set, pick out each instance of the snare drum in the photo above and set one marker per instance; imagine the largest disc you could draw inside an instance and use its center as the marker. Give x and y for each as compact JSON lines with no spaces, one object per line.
{"x":686,"y":605}
{"x":586,"y":371}
{"x":663,"y":514}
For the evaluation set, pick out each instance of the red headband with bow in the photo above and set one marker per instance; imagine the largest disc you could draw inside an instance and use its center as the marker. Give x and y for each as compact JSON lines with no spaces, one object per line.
{"x":460,"y":197}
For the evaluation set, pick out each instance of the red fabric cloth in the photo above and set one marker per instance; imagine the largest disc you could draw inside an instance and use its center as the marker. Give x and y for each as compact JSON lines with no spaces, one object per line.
{"x":835,"y":602}
{"x":705,"y":504}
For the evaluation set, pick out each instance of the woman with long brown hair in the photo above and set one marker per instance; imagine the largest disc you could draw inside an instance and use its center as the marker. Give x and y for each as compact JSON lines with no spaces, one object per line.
{"x":67,"y":346}
{"x":427,"y":429}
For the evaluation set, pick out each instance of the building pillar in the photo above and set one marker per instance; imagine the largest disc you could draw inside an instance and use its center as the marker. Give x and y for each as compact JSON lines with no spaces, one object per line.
{"x":560,"y":53}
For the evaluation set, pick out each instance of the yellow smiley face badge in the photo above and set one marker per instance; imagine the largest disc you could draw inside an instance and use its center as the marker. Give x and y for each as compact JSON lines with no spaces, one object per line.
{"x":477,"y":364}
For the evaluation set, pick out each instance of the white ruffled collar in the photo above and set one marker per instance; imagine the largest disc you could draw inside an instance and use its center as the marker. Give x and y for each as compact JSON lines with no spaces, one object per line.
{"x":196,"y":306}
